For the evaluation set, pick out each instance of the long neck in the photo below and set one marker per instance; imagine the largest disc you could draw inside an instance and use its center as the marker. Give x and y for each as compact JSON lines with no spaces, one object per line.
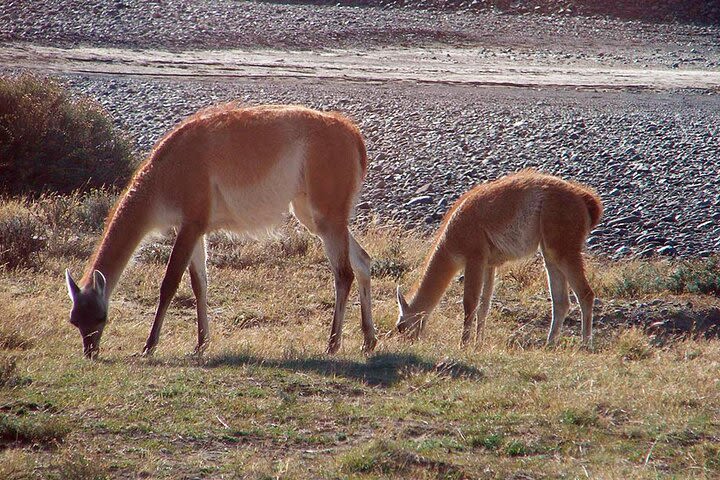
{"x":124,"y":231}
{"x":440,"y":267}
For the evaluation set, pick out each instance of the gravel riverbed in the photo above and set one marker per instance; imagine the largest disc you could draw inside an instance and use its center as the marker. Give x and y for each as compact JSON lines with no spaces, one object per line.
{"x":653,"y":157}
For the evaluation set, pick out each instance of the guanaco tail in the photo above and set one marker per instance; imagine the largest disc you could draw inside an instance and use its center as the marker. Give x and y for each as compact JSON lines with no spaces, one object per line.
{"x":234,"y":168}
{"x":504,"y":220}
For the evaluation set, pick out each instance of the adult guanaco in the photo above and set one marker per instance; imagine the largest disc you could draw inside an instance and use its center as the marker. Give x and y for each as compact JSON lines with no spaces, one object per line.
{"x":234,"y":168}
{"x":504,"y":220}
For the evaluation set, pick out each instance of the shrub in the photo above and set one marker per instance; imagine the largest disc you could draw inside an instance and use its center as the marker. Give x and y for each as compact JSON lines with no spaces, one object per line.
{"x":94,"y":208}
{"x":22,"y":235}
{"x":701,"y":277}
{"x":74,"y":220}
{"x":51,"y":141}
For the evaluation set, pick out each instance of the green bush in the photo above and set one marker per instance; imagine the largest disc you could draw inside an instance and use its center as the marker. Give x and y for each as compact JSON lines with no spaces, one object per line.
{"x":700,"y":277}
{"x":50,"y":141}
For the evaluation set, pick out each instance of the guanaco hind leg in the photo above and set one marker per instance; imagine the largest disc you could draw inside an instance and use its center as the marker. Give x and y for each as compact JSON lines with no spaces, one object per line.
{"x":557,"y":283}
{"x":347,"y":260}
{"x":360,"y":261}
{"x":337,"y":245}
{"x":574,"y":271}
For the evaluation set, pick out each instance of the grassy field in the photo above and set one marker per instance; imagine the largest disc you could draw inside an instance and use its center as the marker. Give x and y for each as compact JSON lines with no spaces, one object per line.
{"x":265,"y":402}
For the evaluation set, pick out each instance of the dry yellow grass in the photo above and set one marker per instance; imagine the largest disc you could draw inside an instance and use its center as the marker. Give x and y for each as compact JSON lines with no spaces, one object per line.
{"x":266,"y":403}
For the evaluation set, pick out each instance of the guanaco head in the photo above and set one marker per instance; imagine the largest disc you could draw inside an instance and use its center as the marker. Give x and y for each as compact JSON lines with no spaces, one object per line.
{"x":408,"y":321}
{"x":89,"y":311}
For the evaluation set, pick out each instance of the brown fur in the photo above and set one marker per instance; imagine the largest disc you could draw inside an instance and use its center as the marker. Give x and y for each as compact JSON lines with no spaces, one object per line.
{"x":229,"y":167}
{"x":502,"y":221}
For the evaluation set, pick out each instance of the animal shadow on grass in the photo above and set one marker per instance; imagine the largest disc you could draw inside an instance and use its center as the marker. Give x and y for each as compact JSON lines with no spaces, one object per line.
{"x":383,"y":370}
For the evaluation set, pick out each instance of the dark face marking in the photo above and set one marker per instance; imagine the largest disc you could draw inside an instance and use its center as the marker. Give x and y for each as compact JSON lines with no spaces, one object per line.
{"x":90,"y":317}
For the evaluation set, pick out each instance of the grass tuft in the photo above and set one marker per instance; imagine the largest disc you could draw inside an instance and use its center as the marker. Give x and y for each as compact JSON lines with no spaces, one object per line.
{"x":634,"y":278}
{"x":9,"y":375}
{"x":492,"y":441}
{"x":13,"y":336}
{"x":579,"y":417}
{"x":387,"y":457}
{"x":634,"y":345}
{"x":517,"y":448}
{"x":390,"y":262}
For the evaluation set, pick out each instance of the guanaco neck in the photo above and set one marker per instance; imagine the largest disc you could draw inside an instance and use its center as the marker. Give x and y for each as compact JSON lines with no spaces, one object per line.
{"x":124,"y":231}
{"x":440,"y":268}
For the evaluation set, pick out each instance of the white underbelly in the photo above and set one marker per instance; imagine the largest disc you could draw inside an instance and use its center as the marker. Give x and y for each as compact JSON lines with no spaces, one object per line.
{"x":521,"y":236}
{"x":257,"y":206}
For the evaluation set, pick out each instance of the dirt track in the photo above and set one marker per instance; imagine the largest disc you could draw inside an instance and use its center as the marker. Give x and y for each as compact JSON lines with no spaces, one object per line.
{"x":446,"y":65}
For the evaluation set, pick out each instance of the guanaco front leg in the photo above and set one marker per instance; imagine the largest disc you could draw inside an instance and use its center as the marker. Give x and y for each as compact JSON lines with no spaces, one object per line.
{"x":360,"y":262}
{"x":199,"y":282}
{"x":474,"y":277}
{"x":185,"y":243}
{"x":485,"y":301}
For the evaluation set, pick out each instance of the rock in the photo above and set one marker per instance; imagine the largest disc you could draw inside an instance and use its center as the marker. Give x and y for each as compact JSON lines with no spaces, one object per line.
{"x":622,"y":251}
{"x":422,"y":200}
{"x":627,"y":220}
{"x":424,"y":189}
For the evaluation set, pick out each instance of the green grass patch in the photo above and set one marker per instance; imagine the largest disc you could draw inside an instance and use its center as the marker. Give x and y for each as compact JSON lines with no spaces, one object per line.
{"x":38,"y":429}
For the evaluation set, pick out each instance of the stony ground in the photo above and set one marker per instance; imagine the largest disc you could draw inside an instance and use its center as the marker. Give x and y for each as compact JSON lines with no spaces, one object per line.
{"x":652,"y":153}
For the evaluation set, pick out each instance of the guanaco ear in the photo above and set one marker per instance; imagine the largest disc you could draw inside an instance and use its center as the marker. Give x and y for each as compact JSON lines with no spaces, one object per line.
{"x":402,"y":304}
{"x":73,"y":289}
{"x":99,"y":282}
